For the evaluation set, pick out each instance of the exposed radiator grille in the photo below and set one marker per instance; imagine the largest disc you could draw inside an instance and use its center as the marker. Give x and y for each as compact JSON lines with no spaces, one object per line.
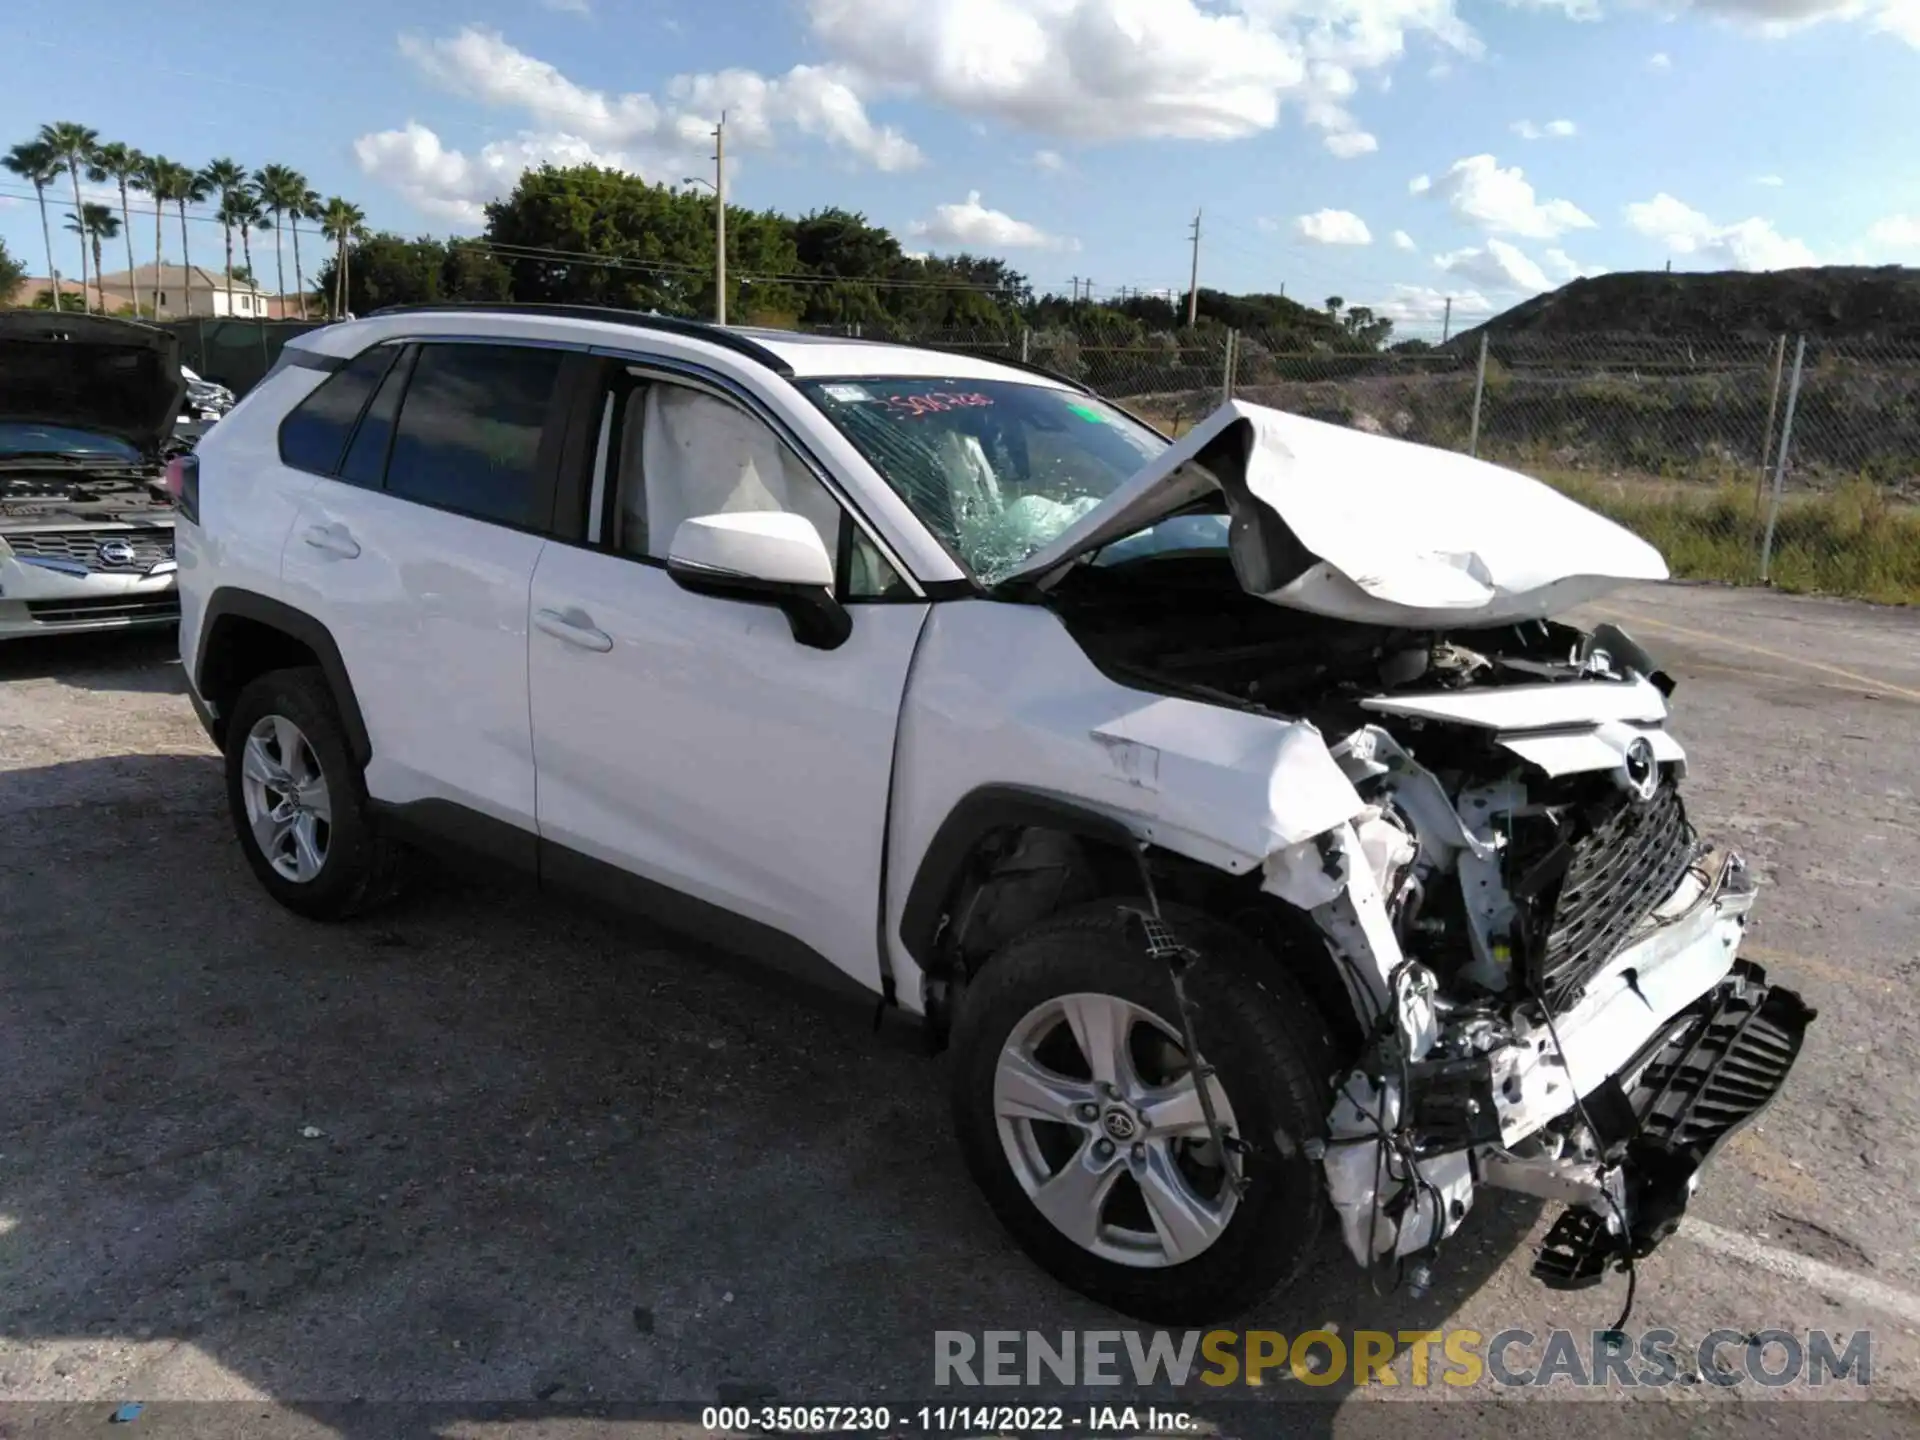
{"x":104,"y":552}
{"x":92,"y":610}
{"x":1617,"y":876}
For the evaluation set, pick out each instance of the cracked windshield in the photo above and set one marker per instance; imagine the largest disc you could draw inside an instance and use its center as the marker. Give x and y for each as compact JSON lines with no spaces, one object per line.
{"x":997,"y":469}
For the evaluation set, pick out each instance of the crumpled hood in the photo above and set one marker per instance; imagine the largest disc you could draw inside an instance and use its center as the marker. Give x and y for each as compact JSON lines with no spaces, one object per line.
{"x":1363,"y":527}
{"x":90,"y":372}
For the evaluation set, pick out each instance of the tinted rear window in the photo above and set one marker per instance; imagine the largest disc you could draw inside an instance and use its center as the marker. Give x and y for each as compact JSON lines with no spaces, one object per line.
{"x":315,"y":432}
{"x":470,"y":430}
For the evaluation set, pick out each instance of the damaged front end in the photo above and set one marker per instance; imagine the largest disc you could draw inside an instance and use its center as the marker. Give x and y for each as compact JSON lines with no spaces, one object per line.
{"x":1543,"y":957}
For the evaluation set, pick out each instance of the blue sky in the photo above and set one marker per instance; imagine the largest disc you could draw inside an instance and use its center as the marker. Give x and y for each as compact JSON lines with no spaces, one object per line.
{"x":1393,"y":152}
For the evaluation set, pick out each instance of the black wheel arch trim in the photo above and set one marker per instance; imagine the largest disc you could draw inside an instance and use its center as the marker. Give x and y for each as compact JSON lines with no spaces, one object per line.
{"x":235,"y":603}
{"x":976,"y":815}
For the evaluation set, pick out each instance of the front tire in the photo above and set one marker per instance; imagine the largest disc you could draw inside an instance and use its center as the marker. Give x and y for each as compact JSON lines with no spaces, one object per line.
{"x":1080,"y":1120}
{"x":299,"y":803}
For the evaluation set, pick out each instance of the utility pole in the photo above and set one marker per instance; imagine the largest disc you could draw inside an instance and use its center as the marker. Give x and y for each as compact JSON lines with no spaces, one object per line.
{"x":720,"y":221}
{"x":1075,"y":282}
{"x":1446,"y":321}
{"x":1193,"y":286}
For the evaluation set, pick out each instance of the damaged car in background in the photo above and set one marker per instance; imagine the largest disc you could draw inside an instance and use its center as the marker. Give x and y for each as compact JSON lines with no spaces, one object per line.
{"x":87,"y":415}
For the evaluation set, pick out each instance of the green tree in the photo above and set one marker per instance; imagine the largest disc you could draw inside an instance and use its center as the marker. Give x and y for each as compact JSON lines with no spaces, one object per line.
{"x":224,"y":179}
{"x":121,"y":164}
{"x":389,"y":269}
{"x":73,"y":146}
{"x":93,"y":224}
{"x":36,"y":163}
{"x":12,"y":272}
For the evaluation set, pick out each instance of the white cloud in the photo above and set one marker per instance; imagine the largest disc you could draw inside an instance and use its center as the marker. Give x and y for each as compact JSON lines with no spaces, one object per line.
{"x":1421,"y":305}
{"x":1103,"y":70}
{"x":1346,"y":144}
{"x":1659,"y":60}
{"x":450,"y":185}
{"x":1333,"y":227}
{"x":1563,"y":267}
{"x":1774,"y":18}
{"x":1773,"y":181}
{"x":1582,"y":10}
{"x":1500,"y":201}
{"x":1403,"y":241}
{"x":814,"y":100}
{"x":1552,"y":130}
{"x":971,"y":225}
{"x":1896,"y":233}
{"x":1050,"y":160}
{"x":568,"y":7}
{"x":1751,"y":244}
{"x":1496,"y":266}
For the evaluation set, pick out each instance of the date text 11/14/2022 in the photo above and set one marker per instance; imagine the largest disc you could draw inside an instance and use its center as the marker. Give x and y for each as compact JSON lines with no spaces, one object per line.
{"x":941,"y":1419}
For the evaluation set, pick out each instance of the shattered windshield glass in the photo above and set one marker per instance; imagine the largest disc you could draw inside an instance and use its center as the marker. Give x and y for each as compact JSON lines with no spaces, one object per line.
{"x":996,"y":468}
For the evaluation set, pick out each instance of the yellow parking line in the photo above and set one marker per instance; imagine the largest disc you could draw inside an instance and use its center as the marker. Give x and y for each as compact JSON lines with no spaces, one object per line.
{"x":1851,"y":676}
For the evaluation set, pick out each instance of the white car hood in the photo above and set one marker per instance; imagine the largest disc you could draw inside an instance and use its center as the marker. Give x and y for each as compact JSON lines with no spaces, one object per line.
{"x":1362,"y":527}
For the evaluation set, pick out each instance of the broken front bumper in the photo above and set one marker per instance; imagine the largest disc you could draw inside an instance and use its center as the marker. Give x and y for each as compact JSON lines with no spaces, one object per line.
{"x":1612,"y":1105}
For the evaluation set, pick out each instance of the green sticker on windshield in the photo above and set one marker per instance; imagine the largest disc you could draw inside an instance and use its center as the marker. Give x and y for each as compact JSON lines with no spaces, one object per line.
{"x":1086,"y":413}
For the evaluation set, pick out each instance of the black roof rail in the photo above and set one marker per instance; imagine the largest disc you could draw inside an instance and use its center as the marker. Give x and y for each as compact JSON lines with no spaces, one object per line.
{"x":665,"y":324}
{"x":1026,"y":365}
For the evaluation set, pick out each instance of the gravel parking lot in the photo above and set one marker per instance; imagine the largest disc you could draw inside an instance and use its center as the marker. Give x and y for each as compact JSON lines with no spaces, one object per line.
{"x":483,"y":1148}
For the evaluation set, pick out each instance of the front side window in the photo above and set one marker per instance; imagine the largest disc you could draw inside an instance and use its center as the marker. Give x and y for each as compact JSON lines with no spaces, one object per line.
{"x":996,"y":468}
{"x":683,"y":453}
{"x":468,"y":437}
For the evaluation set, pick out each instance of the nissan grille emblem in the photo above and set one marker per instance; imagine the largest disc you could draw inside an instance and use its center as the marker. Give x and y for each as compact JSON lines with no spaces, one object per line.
{"x":116,"y":552}
{"x":1642,"y":775}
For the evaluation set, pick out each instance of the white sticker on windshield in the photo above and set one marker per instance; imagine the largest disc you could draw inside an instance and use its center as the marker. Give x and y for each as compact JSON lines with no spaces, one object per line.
{"x":847,"y":394}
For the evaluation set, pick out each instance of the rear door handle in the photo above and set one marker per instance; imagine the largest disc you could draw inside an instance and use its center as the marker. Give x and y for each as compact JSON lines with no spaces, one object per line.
{"x":333,"y":539}
{"x":575,"y":627}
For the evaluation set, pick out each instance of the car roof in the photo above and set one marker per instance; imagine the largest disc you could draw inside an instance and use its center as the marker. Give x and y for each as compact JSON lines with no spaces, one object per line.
{"x":790,"y":353}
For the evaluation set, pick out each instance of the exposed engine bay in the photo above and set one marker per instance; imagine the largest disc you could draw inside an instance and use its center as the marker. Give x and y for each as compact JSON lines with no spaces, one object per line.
{"x":1538,"y":949}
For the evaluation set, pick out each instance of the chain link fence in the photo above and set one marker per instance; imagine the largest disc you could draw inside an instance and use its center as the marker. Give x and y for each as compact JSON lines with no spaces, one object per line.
{"x":1787,"y":460}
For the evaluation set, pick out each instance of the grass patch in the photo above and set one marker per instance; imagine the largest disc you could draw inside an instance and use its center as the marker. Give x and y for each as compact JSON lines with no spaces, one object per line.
{"x":1852,"y":541}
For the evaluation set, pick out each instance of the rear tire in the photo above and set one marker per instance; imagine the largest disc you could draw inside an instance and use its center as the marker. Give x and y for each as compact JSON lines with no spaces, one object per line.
{"x":1192,"y":1253}
{"x":299,"y":802}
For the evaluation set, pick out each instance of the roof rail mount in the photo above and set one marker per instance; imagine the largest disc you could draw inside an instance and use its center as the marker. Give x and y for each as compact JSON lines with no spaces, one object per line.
{"x":608,"y":314}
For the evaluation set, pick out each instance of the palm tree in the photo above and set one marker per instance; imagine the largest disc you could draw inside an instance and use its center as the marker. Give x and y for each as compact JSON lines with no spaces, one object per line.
{"x":224,"y":177}
{"x":184,"y":188}
{"x":37,"y":165}
{"x":341,"y":221}
{"x":283,"y":192}
{"x":73,"y":146}
{"x":94,"y":223}
{"x":308,"y":209}
{"x":121,"y":164}
{"x":247,"y":218}
{"x":151,"y":177}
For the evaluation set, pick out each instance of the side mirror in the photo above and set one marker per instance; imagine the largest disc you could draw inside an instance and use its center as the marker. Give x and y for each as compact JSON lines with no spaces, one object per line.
{"x":767,"y":556}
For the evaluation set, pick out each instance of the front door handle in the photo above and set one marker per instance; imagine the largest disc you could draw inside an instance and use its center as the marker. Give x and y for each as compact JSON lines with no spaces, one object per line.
{"x":333,"y":539}
{"x":575,"y":627}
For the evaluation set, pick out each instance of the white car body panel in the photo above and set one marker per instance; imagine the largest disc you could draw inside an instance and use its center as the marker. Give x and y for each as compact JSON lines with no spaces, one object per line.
{"x":1405,"y":534}
{"x":663,"y":755}
{"x":430,"y":617}
{"x":1002,"y":695}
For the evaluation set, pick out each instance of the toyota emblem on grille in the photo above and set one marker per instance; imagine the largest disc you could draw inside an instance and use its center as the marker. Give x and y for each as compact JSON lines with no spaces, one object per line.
{"x":116,"y":552}
{"x":1641,"y":774}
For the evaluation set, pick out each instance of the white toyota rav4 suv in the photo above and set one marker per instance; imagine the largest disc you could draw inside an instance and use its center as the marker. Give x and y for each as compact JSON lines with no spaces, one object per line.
{"x":1231,"y":808}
